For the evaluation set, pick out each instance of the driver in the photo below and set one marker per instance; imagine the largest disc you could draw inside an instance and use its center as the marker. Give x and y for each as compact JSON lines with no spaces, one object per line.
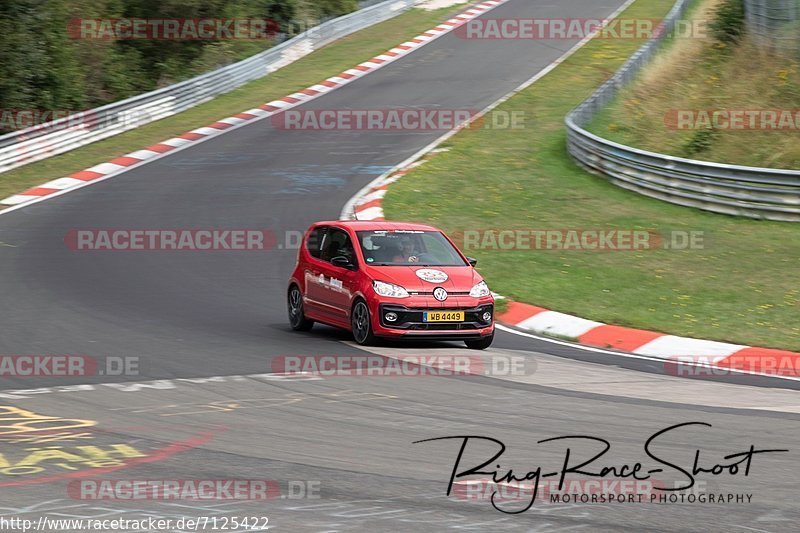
{"x":406,"y":254}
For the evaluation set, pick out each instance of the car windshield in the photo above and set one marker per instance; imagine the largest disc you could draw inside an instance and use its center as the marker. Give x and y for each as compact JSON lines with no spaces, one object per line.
{"x":408,"y":247}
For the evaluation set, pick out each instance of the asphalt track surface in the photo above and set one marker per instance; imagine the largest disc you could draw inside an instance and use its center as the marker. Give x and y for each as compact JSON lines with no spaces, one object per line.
{"x":189,"y":316}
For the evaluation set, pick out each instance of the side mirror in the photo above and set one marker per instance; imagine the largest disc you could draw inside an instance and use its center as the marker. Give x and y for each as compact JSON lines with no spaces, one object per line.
{"x":472,"y":261}
{"x":343,"y":262}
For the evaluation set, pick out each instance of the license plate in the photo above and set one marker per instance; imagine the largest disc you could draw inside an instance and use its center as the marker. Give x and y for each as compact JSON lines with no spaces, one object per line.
{"x":443,"y":316}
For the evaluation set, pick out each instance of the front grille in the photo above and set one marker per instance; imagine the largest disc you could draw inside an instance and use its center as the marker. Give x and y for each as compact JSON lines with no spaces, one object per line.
{"x":440,"y":326}
{"x":411,"y":319}
{"x":421,"y":293}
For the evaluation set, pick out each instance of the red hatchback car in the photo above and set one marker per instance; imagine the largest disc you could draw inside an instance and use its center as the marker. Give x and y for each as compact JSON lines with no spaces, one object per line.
{"x":389,"y":279}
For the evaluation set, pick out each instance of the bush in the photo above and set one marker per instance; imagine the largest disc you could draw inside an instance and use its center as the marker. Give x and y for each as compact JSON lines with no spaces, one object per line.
{"x":729,"y":22}
{"x":42,"y":67}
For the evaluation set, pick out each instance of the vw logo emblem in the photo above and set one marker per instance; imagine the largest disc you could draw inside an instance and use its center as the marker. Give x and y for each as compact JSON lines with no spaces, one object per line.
{"x":440,"y":294}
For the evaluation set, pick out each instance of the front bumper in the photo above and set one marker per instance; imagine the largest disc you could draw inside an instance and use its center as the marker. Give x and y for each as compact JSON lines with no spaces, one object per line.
{"x":409,"y":322}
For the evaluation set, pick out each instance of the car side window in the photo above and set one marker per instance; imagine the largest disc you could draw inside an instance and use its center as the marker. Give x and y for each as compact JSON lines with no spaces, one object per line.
{"x":314,"y":243}
{"x":337,"y":244}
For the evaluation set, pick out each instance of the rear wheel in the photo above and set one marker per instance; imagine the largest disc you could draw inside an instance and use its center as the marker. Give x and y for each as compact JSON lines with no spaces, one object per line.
{"x":361,"y":324}
{"x":480,"y":344}
{"x":297,"y":318}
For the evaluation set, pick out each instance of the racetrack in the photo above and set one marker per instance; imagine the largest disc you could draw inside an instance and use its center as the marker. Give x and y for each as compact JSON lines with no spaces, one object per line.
{"x":194,"y":315}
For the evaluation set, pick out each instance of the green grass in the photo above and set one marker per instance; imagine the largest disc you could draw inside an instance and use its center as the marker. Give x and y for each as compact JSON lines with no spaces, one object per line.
{"x":707,"y":74}
{"x":742,"y":287}
{"x":326,"y":62}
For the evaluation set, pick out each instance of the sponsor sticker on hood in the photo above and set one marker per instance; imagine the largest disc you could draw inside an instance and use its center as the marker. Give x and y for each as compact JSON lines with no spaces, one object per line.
{"x":432,"y":276}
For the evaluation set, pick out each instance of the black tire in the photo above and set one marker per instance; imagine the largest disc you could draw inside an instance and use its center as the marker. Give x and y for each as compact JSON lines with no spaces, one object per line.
{"x":361,"y":324}
{"x":297,"y":318}
{"x":481,"y":344}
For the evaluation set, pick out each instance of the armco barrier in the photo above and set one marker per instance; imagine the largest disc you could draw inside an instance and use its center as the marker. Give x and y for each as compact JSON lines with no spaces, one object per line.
{"x":53,"y":138}
{"x":735,"y":190}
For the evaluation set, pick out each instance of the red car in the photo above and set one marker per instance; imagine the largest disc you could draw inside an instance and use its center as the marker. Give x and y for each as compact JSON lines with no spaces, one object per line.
{"x":389,"y":279}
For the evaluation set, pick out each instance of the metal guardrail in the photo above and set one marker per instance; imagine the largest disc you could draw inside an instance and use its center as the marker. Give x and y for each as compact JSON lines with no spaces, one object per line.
{"x":46,"y":140}
{"x":735,"y":190}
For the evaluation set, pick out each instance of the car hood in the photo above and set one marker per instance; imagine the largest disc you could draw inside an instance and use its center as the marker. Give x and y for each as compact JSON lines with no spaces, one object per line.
{"x":459,"y":279}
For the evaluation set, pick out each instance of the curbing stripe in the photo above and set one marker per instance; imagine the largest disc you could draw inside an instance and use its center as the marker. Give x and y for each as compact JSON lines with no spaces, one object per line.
{"x":671,"y":346}
{"x":555,"y":323}
{"x":39,"y":191}
{"x":141,"y":155}
{"x":105,"y":168}
{"x":618,"y":337}
{"x":86,"y":175}
{"x":62,"y":183}
{"x":764,"y":360}
{"x":176,"y":142}
{"x":19,"y":199}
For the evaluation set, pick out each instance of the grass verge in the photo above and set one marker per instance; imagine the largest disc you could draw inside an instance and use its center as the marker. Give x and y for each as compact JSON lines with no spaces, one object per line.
{"x":704,"y":73}
{"x":740,"y":287}
{"x":328,"y":61}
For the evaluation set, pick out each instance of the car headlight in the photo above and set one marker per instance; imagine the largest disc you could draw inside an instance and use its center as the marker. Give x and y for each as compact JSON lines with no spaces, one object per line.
{"x":479,"y":290}
{"x":389,"y":290}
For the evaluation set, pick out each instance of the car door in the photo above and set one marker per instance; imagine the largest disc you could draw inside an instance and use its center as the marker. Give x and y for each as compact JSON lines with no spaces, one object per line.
{"x":314,"y":287}
{"x":339,"y":282}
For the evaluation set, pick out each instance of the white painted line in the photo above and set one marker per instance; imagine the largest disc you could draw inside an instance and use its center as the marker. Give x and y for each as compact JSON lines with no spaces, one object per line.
{"x":160,"y":384}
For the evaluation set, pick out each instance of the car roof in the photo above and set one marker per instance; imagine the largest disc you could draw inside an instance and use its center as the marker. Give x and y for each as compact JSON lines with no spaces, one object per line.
{"x":372,"y":225}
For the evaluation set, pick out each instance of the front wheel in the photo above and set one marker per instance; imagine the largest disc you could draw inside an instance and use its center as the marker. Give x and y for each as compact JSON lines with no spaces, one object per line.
{"x":297,"y":318}
{"x":361,"y":324}
{"x":480,"y":344}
